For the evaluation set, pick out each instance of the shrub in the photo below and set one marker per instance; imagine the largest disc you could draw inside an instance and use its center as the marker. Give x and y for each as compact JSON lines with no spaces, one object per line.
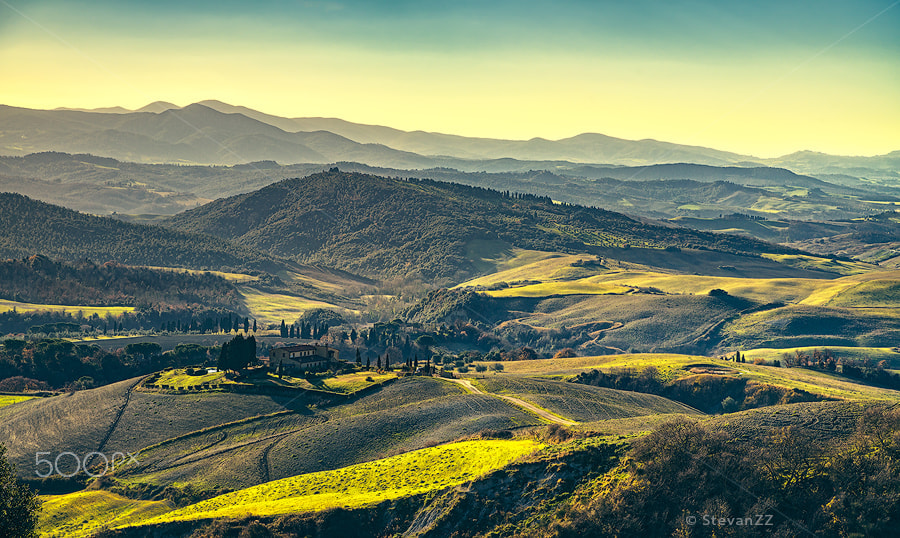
{"x":480,"y":368}
{"x":497,"y":367}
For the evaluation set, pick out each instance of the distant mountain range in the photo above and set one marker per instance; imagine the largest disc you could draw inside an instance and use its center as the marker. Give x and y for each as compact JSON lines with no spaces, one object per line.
{"x":212,"y":132}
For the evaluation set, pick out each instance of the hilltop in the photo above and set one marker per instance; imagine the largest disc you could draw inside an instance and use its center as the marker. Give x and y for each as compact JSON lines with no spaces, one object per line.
{"x":392,"y":227}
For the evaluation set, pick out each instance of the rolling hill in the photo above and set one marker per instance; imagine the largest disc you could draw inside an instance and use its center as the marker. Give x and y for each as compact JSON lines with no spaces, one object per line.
{"x":382,"y":226}
{"x":29,"y":227}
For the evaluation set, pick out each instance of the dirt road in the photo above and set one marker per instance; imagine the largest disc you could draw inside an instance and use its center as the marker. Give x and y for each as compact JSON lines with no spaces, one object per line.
{"x":515,"y":401}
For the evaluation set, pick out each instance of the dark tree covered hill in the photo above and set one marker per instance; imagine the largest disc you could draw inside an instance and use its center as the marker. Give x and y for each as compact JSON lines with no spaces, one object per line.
{"x":38,"y":279}
{"x":29,"y":227}
{"x":419,"y":227}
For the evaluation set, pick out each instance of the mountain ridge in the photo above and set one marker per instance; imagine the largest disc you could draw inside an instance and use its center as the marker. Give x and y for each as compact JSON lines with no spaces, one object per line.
{"x":405,"y":149}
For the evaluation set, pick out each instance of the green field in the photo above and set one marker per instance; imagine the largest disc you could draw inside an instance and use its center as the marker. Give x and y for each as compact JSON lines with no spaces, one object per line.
{"x":874,"y":354}
{"x":409,"y":414}
{"x":179,"y":379}
{"x":412,"y":473}
{"x":341,"y":384}
{"x":274,"y":307}
{"x":102,"y":311}
{"x":582,"y":402}
{"x":673,"y":366}
{"x":9,"y":400}
{"x":82,"y":514}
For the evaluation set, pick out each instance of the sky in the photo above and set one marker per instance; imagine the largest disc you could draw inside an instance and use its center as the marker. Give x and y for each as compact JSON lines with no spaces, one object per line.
{"x":763,"y":78}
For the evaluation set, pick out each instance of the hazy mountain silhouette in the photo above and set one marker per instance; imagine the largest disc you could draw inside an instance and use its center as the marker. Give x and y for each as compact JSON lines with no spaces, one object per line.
{"x":213,"y":132}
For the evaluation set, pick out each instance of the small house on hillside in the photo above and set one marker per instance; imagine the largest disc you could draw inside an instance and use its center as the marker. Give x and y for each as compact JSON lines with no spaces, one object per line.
{"x":303,"y":357}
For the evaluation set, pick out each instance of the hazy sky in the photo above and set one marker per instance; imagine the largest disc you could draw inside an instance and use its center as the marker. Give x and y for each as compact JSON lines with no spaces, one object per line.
{"x":761,"y":77}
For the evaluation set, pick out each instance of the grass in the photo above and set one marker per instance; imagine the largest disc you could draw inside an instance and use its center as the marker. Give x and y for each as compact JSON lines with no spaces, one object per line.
{"x":579,"y":287}
{"x":526,"y":265}
{"x":821,"y":264}
{"x":274,"y":307}
{"x":803,"y":325}
{"x":581,"y":402}
{"x":875,"y":354}
{"x":413,"y":473}
{"x":9,"y":400}
{"x":231,"y":277}
{"x":179,"y":379}
{"x":84,"y":513}
{"x":674,"y":366}
{"x":102,"y":311}
{"x":343,"y":384}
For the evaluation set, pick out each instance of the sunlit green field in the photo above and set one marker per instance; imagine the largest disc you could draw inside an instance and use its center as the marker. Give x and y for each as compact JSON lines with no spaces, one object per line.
{"x":102,"y":311}
{"x":673,"y":366}
{"x":412,"y":473}
{"x":84,"y":513}
{"x":9,"y":400}
{"x":274,"y":307}
{"x":345,"y":383}
{"x":178,"y":378}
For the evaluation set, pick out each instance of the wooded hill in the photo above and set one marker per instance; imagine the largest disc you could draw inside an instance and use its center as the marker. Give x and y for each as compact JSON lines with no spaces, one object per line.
{"x":29,"y":227}
{"x":38,"y":279}
{"x":423,"y":228}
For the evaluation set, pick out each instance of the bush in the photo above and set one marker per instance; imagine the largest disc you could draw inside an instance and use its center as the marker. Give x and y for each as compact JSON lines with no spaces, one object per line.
{"x":463,"y":369}
{"x":480,"y":368}
{"x":497,"y":367}
{"x":18,"y":504}
{"x":565,"y":353}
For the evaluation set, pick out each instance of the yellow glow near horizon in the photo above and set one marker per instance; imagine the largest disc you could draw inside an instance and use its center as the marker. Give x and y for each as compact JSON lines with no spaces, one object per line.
{"x":762,"y":109}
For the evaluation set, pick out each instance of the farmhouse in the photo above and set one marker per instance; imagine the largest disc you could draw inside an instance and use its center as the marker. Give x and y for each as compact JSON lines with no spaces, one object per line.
{"x":302,"y":356}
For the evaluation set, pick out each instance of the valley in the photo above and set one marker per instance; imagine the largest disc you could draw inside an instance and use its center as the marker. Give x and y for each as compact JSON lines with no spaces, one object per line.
{"x":447,"y":336}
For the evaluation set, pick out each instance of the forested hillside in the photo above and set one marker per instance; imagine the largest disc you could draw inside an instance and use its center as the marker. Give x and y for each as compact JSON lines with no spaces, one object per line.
{"x":38,"y":279}
{"x":418,"y":227}
{"x":29,"y":227}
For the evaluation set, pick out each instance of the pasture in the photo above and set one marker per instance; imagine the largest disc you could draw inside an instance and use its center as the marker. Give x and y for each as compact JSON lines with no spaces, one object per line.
{"x":87,"y":311}
{"x":412,"y":473}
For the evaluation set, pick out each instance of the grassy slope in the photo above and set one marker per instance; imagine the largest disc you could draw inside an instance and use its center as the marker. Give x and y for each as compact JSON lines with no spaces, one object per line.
{"x":79,"y":422}
{"x":581,"y":402}
{"x":69,"y":422}
{"x":9,"y":400}
{"x":672,"y":366}
{"x":344,"y":384}
{"x":102,"y":311}
{"x":84,"y":513}
{"x":273,"y":307}
{"x":409,"y":414}
{"x":412,"y":473}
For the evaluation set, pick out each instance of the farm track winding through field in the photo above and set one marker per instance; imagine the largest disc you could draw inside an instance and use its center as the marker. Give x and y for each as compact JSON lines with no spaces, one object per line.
{"x":115,"y":422}
{"x":543,"y":413}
